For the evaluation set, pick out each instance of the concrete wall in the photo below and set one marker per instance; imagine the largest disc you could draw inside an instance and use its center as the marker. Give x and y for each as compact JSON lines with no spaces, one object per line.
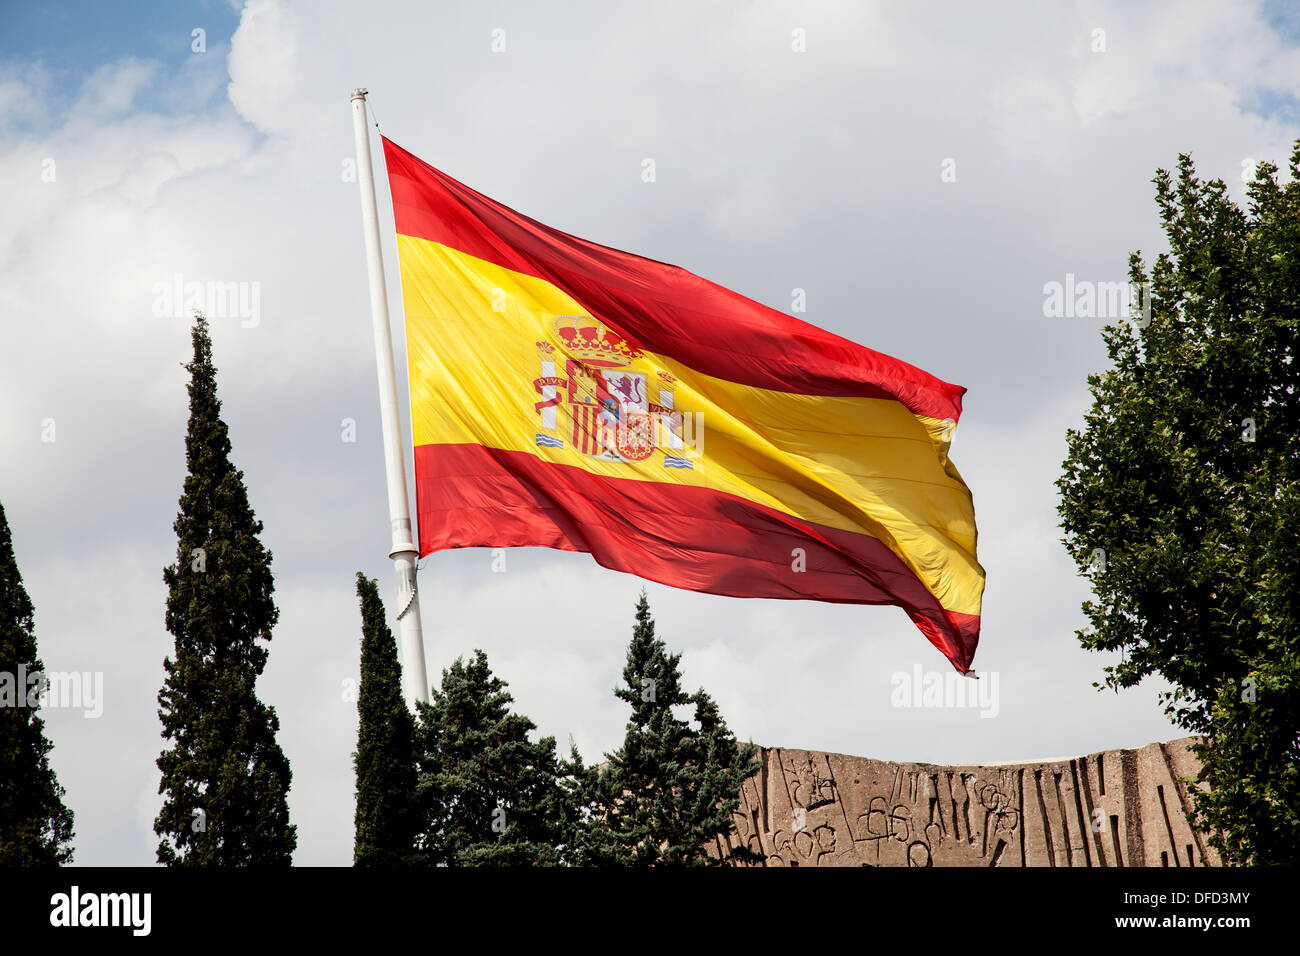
{"x":1117,"y":808}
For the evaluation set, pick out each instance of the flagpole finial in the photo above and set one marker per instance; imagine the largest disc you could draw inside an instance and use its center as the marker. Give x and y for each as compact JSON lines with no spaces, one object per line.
{"x":359,"y":93}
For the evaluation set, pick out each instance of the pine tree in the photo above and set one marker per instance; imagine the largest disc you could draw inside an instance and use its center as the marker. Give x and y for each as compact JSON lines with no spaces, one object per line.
{"x":489,"y":796}
{"x":671,"y":789}
{"x":35,"y":826}
{"x":385,"y":757}
{"x":225,"y":780}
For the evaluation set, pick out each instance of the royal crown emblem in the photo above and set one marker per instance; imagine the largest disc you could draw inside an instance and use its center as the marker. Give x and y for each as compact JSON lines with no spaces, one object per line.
{"x":601,"y":404}
{"x":591,"y":343}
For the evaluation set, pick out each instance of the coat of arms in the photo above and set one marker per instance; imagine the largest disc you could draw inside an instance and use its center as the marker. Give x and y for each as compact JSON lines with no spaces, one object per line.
{"x":598,"y":403}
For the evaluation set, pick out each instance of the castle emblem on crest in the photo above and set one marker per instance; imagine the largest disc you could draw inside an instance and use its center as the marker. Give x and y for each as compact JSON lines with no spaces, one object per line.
{"x":599,"y":404}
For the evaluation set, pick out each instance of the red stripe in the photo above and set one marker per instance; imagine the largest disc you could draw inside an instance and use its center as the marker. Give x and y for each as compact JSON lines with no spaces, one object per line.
{"x":688,"y":537}
{"x":584,"y":427}
{"x":658,"y":307}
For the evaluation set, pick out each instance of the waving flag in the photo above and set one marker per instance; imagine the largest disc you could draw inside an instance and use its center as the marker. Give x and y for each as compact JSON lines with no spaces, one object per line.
{"x":569,"y":395}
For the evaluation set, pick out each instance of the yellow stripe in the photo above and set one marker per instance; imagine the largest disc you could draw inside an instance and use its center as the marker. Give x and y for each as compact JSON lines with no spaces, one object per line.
{"x":856,"y":464}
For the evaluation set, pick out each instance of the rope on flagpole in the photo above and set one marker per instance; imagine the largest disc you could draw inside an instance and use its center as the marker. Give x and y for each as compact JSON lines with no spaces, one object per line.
{"x":409,"y":601}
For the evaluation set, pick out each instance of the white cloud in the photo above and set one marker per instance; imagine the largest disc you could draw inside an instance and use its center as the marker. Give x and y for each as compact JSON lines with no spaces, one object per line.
{"x":265,"y":72}
{"x":111,"y":89}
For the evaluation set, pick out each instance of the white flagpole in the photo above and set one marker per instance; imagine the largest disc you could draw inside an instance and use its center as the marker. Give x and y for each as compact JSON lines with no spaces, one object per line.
{"x":415,"y":684}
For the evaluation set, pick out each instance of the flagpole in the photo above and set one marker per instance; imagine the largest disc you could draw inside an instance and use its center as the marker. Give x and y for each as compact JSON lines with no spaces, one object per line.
{"x":415,"y":684}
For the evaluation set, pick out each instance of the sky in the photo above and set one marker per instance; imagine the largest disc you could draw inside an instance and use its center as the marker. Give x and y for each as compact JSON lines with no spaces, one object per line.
{"x":922,"y":171}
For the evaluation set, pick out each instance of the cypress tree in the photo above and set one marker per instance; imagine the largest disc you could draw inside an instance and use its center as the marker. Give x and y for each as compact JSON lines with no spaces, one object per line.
{"x":35,"y":826}
{"x":225,"y":780}
{"x":385,"y":757}
{"x":671,"y":789}
{"x":489,"y":796}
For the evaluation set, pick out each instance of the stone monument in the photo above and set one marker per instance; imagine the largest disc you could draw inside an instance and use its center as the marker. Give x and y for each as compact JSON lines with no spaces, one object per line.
{"x":1116,"y":808}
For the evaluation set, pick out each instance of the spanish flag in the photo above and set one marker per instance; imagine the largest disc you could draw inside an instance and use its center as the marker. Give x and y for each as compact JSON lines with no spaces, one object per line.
{"x":568,"y":395}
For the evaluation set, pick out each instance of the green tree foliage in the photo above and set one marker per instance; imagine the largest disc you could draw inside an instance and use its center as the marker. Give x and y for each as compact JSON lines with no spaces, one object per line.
{"x":1180,"y":499}
{"x":35,"y":826}
{"x":225,"y":780}
{"x":386,"y":821}
{"x":670,"y":791}
{"x":488,"y":795}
